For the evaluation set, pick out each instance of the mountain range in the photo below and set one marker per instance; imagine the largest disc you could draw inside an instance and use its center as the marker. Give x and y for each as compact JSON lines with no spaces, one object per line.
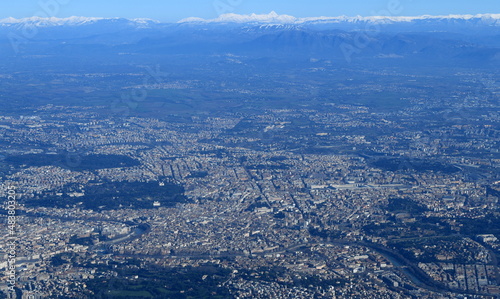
{"x":467,"y":39}
{"x":273,"y":18}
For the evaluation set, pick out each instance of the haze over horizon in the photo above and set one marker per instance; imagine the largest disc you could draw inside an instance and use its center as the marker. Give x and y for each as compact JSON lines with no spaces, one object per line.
{"x":168,"y":11}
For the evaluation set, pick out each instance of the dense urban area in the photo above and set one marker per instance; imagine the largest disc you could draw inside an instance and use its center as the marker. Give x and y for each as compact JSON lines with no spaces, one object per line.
{"x":319,"y":201}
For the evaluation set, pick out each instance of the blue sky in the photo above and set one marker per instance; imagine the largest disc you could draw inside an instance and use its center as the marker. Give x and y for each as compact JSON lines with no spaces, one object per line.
{"x":171,"y":11}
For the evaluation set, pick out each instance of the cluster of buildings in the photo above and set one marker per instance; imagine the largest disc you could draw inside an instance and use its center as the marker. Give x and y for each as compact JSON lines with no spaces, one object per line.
{"x":261,"y":202}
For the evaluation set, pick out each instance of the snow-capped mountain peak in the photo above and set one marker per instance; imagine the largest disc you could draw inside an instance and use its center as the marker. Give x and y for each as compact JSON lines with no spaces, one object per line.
{"x":273,"y":17}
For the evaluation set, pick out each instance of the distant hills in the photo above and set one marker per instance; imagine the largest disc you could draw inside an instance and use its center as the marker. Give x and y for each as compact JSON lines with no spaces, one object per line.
{"x":467,"y":39}
{"x":71,"y":21}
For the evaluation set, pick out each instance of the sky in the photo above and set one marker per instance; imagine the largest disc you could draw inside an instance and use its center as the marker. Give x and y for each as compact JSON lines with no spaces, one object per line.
{"x":172,"y":11}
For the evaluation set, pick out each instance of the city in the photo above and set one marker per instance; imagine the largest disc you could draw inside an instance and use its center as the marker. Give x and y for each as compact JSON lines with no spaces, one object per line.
{"x":248,"y":157}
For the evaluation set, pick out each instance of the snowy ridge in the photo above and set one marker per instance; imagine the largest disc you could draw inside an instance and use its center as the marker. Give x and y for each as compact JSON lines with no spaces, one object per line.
{"x":39,"y":21}
{"x":70,"y":21}
{"x":273,"y":17}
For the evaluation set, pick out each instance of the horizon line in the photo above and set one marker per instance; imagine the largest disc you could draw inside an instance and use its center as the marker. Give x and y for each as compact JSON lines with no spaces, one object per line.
{"x":253,"y":17}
